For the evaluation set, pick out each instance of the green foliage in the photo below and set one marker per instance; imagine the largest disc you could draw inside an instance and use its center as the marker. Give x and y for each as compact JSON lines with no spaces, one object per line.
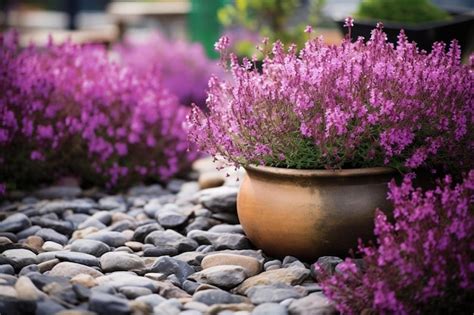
{"x":407,"y":11}
{"x":269,"y":18}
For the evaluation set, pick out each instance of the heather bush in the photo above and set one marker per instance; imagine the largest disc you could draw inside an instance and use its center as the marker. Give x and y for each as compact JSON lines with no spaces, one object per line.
{"x":69,"y":110}
{"x":352,"y":105}
{"x":423,"y":262}
{"x":182,"y":67}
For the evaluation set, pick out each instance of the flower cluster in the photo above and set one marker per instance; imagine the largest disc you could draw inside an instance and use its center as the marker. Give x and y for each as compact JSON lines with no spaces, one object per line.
{"x":182,"y":68}
{"x":423,"y":263}
{"x":68,"y":109}
{"x":352,"y":105}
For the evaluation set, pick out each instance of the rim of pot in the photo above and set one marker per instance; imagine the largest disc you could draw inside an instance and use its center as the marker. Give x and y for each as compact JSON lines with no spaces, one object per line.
{"x":347,"y":172}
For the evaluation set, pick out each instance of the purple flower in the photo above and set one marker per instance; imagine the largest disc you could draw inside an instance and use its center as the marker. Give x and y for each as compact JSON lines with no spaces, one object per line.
{"x":422,"y":263}
{"x":76,"y":111}
{"x":357,"y":104}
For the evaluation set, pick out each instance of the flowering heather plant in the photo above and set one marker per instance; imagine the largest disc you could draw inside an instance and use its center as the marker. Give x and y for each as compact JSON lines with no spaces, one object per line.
{"x":183,"y":68}
{"x":424,"y":261}
{"x":67,"y":109}
{"x":352,"y":105}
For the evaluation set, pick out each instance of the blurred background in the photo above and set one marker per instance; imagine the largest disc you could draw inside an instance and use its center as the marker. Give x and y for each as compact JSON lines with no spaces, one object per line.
{"x":245,"y":21}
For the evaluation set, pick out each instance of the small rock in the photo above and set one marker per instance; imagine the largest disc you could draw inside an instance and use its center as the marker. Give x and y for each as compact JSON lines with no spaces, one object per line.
{"x":210,"y":297}
{"x":220,"y":240}
{"x":219,"y":199}
{"x":211,"y":180}
{"x":251,"y":265}
{"x":62,"y":227}
{"x":135,"y":246}
{"x":134,"y":292}
{"x":272,"y":263}
{"x":91,"y":247}
{"x":290,"y":276}
{"x":191,"y":258}
{"x":34,"y":242}
{"x":52,"y":235}
{"x":85,"y":280}
{"x":105,"y":217}
{"x":80,"y":258}
{"x":270,"y":309}
{"x":142,"y":231}
{"x":47,"y":265}
{"x":171,"y":238}
{"x":171,"y":266}
{"x":92,"y":222}
{"x":70,"y":269}
{"x":227,"y":228}
{"x":272,"y":293}
{"x":7,"y":291}
{"x":225,"y":276}
{"x":51,"y":246}
{"x":151,"y":299}
{"x":201,"y":223}
{"x":111,"y":238}
{"x":47,"y":307}
{"x":7,"y":269}
{"x":116,"y":261}
{"x":192,"y":305}
{"x":106,"y":304}
{"x":76,"y":205}
{"x":169,"y":307}
{"x":26,"y":290}
{"x":23,"y":257}
{"x":171,"y":219}
{"x":15,"y":223}
{"x":160,"y":251}
{"x":314,"y":303}
{"x":5,"y":240}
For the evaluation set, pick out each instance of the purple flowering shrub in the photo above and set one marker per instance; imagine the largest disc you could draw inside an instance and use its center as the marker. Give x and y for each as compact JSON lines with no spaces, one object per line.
{"x":352,"y":105}
{"x":69,"y":110}
{"x":424,"y":261}
{"x":182,"y":67}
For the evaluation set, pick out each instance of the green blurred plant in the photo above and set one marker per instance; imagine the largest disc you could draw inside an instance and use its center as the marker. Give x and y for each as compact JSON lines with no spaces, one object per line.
{"x":268,"y":18}
{"x":407,"y":11}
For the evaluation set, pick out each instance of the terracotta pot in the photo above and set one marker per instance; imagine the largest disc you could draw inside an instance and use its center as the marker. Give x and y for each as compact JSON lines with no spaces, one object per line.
{"x":311,"y":213}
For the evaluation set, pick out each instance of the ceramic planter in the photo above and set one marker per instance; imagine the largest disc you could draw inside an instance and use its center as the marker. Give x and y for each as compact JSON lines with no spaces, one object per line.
{"x":311,"y":213}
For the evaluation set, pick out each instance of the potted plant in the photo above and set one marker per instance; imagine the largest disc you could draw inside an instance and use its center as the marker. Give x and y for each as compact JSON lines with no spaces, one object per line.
{"x":321,"y":133}
{"x":422,"y":21}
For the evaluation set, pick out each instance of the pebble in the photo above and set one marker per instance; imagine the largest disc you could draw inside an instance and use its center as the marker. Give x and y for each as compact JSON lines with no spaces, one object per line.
{"x":23,"y":257}
{"x":111,"y":238}
{"x":171,"y":266}
{"x":84,"y":279}
{"x":227,"y":228}
{"x":220,"y":240}
{"x":91,"y":247}
{"x":62,"y":227}
{"x":15,"y":223}
{"x":171,"y":238}
{"x":70,"y":269}
{"x":213,"y":296}
{"x":51,"y":235}
{"x":106,"y":304}
{"x":80,"y":258}
{"x":58,"y":192}
{"x":34,"y":242}
{"x":211,"y":180}
{"x":289,"y":276}
{"x":327,"y":263}
{"x":49,"y":246}
{"x":142,"y":231}
{"x":26,"y":290}
{"x":270,"y":309}
{"x":314,"y":303}
{"x":132,"y":292}
{"x":272,"y":293}
{"x":151,"y":299}
{"x":219,"y":199}
{"x":117,"y":261}
{"x":251,"y":265}
{"x":224,"y":276}
{"x":5,"y":240}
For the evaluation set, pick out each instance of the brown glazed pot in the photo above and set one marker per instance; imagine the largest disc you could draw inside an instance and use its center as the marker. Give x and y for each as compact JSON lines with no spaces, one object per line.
{"x":311,"y":213}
